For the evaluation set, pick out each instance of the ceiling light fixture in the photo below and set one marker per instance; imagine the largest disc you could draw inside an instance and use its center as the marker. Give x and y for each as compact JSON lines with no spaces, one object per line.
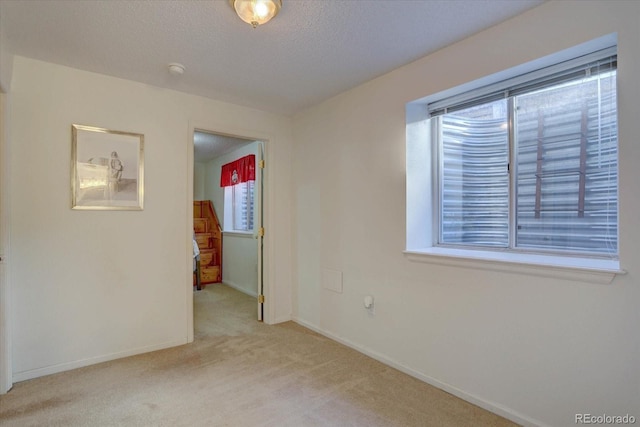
{"x":256,"y":12}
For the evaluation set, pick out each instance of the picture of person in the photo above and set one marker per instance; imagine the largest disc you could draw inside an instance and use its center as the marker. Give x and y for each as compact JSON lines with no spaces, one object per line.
{"x":115,"y":171}
{"x":108,"y":169}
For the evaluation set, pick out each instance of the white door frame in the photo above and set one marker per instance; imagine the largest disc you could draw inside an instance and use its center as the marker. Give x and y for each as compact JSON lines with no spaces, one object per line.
{"x":267,"y":264}
{"x":258,"y":223}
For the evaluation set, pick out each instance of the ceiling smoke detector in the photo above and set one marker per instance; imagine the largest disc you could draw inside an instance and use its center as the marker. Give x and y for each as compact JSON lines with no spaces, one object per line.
{"x":176,"y":69}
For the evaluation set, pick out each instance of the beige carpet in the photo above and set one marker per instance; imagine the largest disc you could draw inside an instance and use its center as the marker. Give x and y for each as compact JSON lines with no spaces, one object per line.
{"x":238,"y":372}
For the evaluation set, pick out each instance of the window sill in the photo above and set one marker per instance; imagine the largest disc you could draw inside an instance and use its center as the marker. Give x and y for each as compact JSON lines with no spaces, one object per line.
{"x":245,"y":234}
{"x":580,"y":269}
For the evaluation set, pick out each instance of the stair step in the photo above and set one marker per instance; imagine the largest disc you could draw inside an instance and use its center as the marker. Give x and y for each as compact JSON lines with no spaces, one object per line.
{"x":205,"y":240}
{"x":210,"y":274}
{"x":209,"y":257}
{"x":201,"y":225}
{"x":208,"y":235}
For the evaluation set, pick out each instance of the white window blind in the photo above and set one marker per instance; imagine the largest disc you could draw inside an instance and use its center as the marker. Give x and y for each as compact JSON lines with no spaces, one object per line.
{"x":531,"y":162}
{"x":243,"y":206}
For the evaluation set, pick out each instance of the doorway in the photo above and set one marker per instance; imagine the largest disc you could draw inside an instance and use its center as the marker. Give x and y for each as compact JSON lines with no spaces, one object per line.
{"x":237,"y":205}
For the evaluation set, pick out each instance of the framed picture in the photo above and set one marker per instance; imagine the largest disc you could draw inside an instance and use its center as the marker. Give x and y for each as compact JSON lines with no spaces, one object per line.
{"x":107,"y":169}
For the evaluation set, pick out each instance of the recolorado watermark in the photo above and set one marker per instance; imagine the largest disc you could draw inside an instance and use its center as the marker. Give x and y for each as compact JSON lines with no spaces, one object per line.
{"x":605,"y":419}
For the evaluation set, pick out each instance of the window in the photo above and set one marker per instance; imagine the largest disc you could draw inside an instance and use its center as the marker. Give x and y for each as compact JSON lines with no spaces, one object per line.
{"x":240,"y":198}
{"x":525,"y":165}
{"x":238,"y":179}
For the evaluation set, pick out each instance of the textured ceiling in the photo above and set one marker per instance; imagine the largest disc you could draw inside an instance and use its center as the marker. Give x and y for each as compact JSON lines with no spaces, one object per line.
{"x":313,"y":50}
{"x":208,"y":146}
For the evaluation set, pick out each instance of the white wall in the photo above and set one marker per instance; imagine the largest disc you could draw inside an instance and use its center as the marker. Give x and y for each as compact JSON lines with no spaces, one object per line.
{"x":89,"y":285}
{"x":198,"y":180}
{"x":537,"y":350}
{"x":240,"y":262}
{"x":239,"y":252}
{"x":6,"y":60}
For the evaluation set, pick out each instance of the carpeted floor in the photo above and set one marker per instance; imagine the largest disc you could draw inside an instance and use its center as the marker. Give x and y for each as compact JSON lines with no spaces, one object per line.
{"x":238,"y":372}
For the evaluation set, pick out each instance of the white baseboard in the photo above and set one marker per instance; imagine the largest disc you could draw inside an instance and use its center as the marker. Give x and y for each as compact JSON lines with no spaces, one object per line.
{"x":240,"y":288}
{"x":503,"y":411}
{"x":281,"y":319}
{"x":54,"y":369}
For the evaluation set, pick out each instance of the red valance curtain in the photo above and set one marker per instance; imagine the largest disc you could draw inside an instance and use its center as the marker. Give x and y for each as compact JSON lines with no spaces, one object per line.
{"x":241,"y":170}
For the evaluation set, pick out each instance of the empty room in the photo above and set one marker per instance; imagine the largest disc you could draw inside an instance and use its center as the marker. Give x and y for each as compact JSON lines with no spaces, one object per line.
{"x":426,"y":213}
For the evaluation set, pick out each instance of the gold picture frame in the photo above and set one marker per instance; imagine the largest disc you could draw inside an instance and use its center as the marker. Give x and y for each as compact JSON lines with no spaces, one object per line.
{"x":107,"y":169}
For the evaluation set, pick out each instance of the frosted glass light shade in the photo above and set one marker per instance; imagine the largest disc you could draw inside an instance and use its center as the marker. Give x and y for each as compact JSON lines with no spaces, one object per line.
{"x":256,"y":12}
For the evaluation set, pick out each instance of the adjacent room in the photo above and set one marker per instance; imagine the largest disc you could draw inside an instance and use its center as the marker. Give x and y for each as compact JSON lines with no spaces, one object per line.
{"x":227,"y":213}
{"x":377,"y":212}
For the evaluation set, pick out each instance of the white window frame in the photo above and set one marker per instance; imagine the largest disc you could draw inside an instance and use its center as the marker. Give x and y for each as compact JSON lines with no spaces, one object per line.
{"x":231,"y":205}
{"x":422,"y":197}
